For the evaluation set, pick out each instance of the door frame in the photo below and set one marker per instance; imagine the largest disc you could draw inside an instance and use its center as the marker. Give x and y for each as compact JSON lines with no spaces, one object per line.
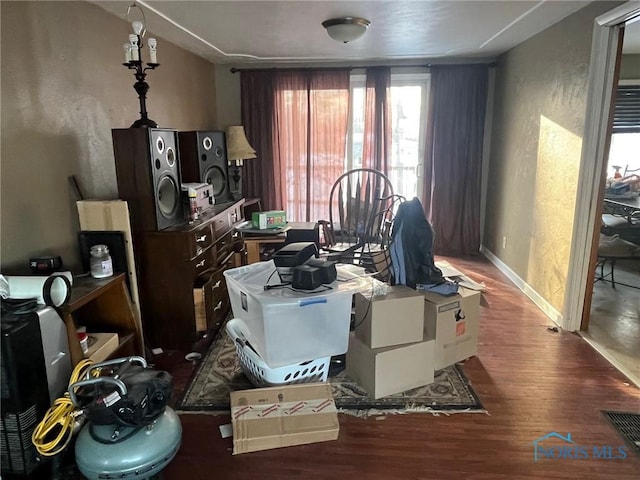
{"x":604,"y":49}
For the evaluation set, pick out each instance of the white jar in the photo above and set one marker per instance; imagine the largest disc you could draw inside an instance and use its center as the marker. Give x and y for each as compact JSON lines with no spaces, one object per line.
{"x":100,"y":261}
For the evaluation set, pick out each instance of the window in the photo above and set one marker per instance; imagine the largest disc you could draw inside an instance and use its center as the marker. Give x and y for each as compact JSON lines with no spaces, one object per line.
{"x":409,"y":101}
{"x":625,"y":139}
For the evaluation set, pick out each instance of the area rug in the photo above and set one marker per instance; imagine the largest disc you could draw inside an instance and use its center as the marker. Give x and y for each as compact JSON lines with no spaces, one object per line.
{"x":220,"y":372}
{"x":628,"y":427}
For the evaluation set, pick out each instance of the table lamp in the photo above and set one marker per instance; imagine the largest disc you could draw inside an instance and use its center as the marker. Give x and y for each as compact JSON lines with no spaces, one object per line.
{"x":238,"y":150}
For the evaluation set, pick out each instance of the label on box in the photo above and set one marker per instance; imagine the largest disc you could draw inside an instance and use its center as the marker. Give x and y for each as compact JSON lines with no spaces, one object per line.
{"x":448,"y":306}
{"x":461,"y":328}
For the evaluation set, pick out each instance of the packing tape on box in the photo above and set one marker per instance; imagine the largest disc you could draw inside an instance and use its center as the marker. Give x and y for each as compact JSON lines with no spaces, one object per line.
{"x":53,"y":290}
{"x":284,"y":409}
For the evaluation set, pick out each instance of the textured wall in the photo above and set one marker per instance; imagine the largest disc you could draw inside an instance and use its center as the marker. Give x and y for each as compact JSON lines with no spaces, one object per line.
{"x":539,"y":116}
{"x":63,"y":90}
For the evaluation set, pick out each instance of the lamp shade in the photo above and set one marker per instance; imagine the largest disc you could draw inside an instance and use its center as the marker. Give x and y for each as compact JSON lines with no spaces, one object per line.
{"x":346,"y":29}
{"x":238,"y":147}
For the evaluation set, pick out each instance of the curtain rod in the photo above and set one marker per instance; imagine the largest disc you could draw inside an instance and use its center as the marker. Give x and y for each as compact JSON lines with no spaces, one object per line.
{"x":350,"y":67}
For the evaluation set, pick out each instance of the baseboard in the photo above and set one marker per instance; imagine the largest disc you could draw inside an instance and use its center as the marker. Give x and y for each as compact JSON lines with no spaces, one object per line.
{"x":534,"y":296}
{"x":611,"y":359}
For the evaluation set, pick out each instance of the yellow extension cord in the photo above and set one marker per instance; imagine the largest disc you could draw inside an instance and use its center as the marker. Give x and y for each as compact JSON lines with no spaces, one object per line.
{"x":54,"y":432}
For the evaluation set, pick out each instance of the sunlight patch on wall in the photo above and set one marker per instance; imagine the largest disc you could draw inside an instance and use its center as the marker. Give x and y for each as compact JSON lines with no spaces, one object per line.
{"x":557,"y":168}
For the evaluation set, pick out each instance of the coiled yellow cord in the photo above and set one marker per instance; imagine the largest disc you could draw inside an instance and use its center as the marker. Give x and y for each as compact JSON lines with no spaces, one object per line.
{"x":54,"y":432}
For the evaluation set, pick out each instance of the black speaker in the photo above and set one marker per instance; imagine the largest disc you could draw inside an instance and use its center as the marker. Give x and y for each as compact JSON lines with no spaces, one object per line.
{"x":203,"y":159}
{"x":148,"y":171}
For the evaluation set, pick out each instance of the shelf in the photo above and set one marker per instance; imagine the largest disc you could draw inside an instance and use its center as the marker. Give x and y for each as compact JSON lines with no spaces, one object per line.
{"x":102,"y":306}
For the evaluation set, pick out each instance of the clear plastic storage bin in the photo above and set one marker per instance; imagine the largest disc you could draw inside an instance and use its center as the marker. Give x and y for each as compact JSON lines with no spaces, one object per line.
{"x":285,"y":326}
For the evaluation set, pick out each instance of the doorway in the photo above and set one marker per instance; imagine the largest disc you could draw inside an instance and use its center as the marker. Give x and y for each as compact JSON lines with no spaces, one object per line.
{"x":615,"y":330}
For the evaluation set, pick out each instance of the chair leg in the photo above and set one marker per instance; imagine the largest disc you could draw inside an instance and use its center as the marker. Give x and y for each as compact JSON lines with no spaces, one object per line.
{"x":604,"y":260}
{"x":613,"y":281}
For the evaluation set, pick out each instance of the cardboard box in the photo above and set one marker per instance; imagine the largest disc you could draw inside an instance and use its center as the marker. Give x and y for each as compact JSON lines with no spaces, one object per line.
{"x":270,"y":219}
{"x":388,"y":370}
{"x":200,"y":309}
{"x":266,"y":418}
{"x":453,"y":320}
{"x":392,"y":319}
{"x":101,"y":346}
{"x":112,"y":215}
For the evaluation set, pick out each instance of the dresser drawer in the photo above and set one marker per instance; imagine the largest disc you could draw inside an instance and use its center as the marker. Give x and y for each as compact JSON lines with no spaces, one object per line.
{"x":216,"y":300}
{"x":224,"y":222}
{"x":224,"y":246}
{"x":205,"y":261}
{"x":198,"y":241}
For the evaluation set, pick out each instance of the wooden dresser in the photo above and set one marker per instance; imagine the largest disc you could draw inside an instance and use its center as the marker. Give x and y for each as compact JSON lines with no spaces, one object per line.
{"x":183,"y":292}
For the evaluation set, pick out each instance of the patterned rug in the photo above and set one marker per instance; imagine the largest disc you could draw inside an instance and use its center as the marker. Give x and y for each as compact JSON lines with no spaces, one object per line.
{"x":220,"y":372}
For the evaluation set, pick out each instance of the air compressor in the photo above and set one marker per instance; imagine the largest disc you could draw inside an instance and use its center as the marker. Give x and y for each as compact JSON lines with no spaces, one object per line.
{"x":129,"y":431}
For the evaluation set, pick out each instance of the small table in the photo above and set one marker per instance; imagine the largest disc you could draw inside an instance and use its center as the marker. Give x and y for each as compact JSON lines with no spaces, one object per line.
{"x":253,"y":245}
{"x":296,"y":232}
{"x":623,"y":206}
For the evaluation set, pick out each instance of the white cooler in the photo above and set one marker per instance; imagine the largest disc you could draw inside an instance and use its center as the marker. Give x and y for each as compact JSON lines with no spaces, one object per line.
{"x":285,"y":326}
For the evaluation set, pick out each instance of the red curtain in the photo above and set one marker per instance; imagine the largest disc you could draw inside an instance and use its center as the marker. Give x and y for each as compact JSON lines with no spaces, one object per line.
{"x":376,"y":148}
{"x":453,"y":160}
{"x":301,"y":119}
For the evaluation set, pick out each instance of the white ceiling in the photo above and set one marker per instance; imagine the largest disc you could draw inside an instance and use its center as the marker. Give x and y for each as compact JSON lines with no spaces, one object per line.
{"x":238,"y":31}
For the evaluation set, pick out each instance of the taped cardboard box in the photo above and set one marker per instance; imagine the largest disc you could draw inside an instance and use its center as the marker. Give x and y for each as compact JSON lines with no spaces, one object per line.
{"x":266,"y":418}
{"x":454,"y":321}
{"x":388,"y":370}
{"x":101,"y":346}
{"x":396,"y":318}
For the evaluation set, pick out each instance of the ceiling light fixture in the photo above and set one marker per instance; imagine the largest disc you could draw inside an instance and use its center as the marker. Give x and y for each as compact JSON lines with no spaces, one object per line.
{"x":346,"y":29}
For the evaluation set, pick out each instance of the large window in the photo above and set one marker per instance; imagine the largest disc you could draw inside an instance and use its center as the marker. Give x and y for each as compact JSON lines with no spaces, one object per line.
{"x":625,"y":140}
{"x":408,"y":110}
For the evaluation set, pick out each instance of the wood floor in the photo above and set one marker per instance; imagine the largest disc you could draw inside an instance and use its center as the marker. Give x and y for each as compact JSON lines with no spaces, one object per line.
{"x":531,"y":380}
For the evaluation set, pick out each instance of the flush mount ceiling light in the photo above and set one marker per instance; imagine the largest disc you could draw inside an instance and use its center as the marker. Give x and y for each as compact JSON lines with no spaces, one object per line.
{"x":346,"y":29}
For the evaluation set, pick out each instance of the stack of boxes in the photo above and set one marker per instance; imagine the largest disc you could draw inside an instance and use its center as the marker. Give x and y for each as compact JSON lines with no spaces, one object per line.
{"x":400,"y":339}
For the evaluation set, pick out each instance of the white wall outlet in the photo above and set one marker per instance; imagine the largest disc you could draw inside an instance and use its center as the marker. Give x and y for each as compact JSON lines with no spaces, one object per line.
{"x":504,"y":242}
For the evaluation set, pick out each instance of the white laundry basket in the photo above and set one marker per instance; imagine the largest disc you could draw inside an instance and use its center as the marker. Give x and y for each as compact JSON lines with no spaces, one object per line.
{"x":284,"y":326}
{"x":261,"y":374}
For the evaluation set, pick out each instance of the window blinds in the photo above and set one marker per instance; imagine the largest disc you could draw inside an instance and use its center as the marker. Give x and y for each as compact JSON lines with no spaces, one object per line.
{"x":626,"y":117}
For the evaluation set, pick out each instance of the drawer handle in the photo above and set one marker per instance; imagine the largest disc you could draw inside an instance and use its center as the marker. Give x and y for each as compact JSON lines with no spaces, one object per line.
{"x":217,"y":285}
{"x":201,"y":263}
{"x":202,"y":238}
{"x":218,"y":306}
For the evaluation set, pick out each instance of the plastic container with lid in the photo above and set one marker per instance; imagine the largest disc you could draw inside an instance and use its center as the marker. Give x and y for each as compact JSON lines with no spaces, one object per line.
{"x":100,"y":262}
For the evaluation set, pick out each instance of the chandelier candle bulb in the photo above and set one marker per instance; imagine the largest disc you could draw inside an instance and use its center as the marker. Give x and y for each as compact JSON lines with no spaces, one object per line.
{"x":137,"y":26}
{"x":133,"y":38}
{"x":127,"y":52}
{"x":153,"y":47}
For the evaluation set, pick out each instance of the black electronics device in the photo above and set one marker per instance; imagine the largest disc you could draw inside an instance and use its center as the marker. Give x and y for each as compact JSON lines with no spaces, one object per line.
{"x":148,"y":175}
{"x":326,"y":268}
{"x":25,"y":392}
{"x":45,"y":265}
{"x":203,"y":159}
{"x":306,"y":277}
{"x":292,"y":255}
